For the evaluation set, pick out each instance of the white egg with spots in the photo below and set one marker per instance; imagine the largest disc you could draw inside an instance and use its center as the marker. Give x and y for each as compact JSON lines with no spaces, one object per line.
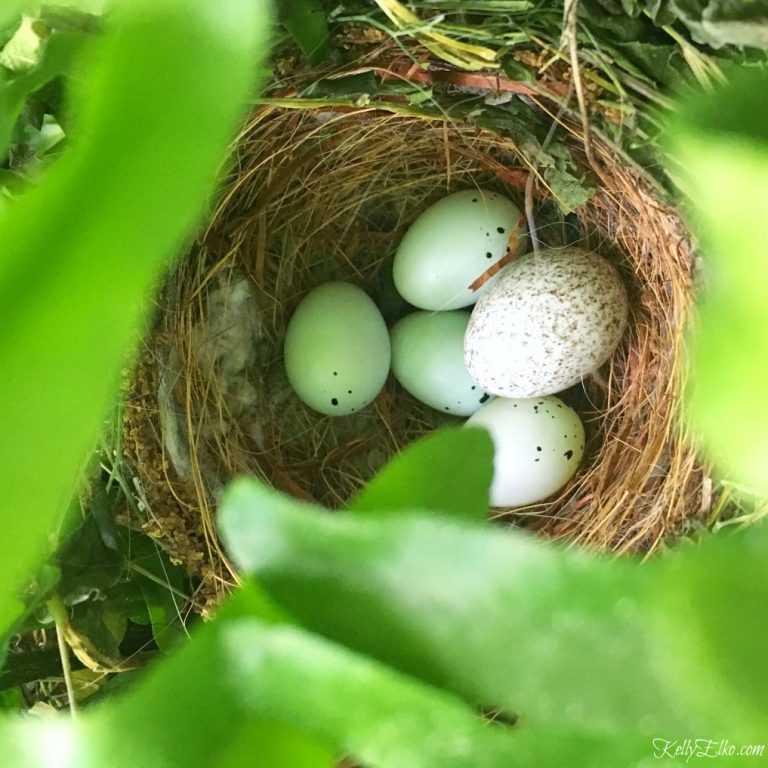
{"x":337,"y":351}
{"x":538,"y":444}
{"x":550,"y":320}
{"x":454,"y":251}
{"x":428,"y":361}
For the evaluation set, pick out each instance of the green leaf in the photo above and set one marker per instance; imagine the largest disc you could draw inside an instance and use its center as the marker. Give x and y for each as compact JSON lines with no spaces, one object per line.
{"x":565,"y":639}
{"x":11,"y":9}
{"x":88,"y":566}
{"x":166,"y":84}
{"x":273,"y":695}
{"x":162,"y":585}
{"x":725,"y":22}
{"x":11,"y":700}
{"x":306,"y":23}
{"x":194,"y":710}
{"x":61,"y":52}
{"x":448,"y":472}
{"x":721,"y":145}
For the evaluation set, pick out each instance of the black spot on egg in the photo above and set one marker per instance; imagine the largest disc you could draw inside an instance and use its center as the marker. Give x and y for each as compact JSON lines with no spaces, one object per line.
{"x":474,"y":387}
{"x":334,"y":401}
{"x":568,"y":454}
{"x":474,"y":199}
{"x":500,"y":230}
{"x":488,"y":255}
{"x":349,"y":391}
{"x":447,"y":408}
{"x":538,"y":447}
{"x":484,"y":398}
{"x":335,"y":373}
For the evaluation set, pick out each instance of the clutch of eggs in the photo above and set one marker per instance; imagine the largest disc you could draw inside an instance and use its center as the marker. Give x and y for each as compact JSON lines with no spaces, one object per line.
{"x":337,"y":351}
{"x":454,"y":251}
{"x":428,"y":361}
{"x":538,"y":444}
{"x":548,"y":321}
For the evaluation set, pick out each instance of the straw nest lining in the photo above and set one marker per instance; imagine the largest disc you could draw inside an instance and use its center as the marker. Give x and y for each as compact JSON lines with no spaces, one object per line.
{"x":327,"y":194}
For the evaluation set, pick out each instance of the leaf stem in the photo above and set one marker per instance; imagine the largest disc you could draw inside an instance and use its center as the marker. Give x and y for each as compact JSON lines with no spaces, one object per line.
{"x":59,"y":612}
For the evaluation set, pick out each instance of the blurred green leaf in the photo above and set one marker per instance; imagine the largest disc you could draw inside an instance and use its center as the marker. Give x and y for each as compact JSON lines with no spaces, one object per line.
{"x":22,"y":51}
{"x":165,"y":87}
{"x":194,"y":710}
{"x":61,"y":52}
{"x":434,"y":475}
{"x":11,"y":10}
{"x":720,"y":142}
{"x":307,"y":24}
{"x":565,"y":639}
{"x":273,"y":694}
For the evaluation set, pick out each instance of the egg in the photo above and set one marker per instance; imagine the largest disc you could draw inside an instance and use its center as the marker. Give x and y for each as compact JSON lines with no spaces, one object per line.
{"x":428,"y":360}
{"x":453,"y":252}
{"x":550,"y":320}
{"x":337,"y":351}
{"x":538,"y":444}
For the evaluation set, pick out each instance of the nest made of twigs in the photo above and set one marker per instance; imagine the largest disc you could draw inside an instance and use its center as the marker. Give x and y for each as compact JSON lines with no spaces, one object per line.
{"x":324,"y":193}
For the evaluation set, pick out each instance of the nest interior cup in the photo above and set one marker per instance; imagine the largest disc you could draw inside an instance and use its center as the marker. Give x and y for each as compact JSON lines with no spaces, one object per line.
{"x":327,"y":194}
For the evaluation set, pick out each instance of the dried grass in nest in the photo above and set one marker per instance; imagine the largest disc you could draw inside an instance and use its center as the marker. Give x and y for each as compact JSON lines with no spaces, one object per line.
{"x":323,"y":194}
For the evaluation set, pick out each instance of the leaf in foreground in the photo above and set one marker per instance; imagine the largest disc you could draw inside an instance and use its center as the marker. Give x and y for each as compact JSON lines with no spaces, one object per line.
{"x":565,"y":639}
{"x":721,"y":144}
{"x":449,"y":471}
{"x":81,"y":252}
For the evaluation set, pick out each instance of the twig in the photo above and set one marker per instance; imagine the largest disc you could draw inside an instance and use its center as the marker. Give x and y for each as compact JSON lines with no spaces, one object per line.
{"x":568,"y":40}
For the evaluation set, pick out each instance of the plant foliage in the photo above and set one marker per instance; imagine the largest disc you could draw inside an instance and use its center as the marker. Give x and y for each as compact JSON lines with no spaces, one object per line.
{"x":406,"y":631}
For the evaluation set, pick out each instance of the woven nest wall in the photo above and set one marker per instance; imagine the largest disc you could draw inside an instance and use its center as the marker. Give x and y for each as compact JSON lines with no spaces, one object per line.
{"x":326,"y":194}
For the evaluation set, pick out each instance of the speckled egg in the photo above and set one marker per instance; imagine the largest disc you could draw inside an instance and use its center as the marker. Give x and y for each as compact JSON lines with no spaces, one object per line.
{"x":337,"y":351}
{"x":550,"y":320}
{"x":428,"y":360}
{"x":454,"y":251}
{"x":538,"y":444}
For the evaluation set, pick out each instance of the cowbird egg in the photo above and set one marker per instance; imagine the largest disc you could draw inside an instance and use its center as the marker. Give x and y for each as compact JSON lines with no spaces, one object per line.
{"x":428,"y":360}
{"x":538,"y":444}
{"x":548,"y":321}
{"x":337,"y":351}
{"x":453,"y":252}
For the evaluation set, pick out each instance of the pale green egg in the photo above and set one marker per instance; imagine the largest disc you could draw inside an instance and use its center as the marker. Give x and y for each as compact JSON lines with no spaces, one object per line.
{"x":337,"y":350}
{"x":538,"y":444}
{"x":455,"y":250}
{"x":428,"y":360}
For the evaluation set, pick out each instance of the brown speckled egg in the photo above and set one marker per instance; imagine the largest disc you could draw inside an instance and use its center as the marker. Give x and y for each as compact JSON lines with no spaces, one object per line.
{"x":549,"y":320}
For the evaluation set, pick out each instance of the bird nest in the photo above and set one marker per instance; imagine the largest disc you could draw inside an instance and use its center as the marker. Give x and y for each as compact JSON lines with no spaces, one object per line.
{"x":323,"y":192}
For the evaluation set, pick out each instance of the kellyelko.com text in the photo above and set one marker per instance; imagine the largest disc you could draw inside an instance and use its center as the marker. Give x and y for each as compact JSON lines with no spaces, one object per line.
{"x":685,"y":749}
